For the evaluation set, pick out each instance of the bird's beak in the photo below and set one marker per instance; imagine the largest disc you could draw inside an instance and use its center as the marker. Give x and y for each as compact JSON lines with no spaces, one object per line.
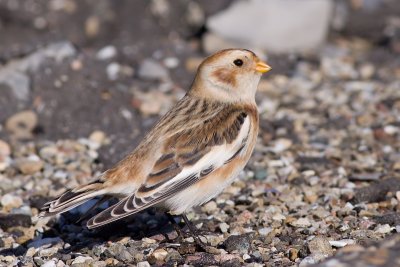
{"x":262,"y":67}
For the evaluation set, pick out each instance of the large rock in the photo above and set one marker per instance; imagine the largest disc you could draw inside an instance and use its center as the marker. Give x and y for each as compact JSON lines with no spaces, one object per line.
{"x":275,"y":25}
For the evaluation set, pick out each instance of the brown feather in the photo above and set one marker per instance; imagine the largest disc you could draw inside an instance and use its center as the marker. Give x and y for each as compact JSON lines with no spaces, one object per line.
{"x":225,"y":76}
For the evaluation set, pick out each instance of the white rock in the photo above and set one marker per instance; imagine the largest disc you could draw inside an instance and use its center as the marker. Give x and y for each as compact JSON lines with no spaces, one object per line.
{"x":308,"y":173}
{"x":143,"y":264}
{"x":126,"y":114}
{"x":265,"y":231}
{"x":106,"y":53}
{"x":349,"y":206}
{"x":341,"y":243}
{"x":224,"y":227}
{"x":171,"y":62}
{"x":384,"y":229}
{"x":81,"y":259}
{"x":113,"y":70}
{"x":49,"y":263}
{"x":391,"y":129}
{"x":281,"y":145}
{"x":210,"y":206}
{"x":307,"y":261}
{"x":260,"y":23}
{"x":301,"y":222}
{"x":246,"y":256}
{"x":278,"y":217}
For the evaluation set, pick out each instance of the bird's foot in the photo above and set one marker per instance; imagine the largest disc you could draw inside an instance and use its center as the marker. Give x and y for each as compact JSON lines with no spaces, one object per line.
{"x":194,"y":233}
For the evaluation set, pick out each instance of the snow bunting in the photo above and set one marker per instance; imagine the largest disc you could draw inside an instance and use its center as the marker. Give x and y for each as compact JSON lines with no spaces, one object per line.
{"x":192,"y":153}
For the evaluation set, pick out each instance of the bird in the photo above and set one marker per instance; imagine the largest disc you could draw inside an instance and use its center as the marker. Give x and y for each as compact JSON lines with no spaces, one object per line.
{"x":191,"y":154}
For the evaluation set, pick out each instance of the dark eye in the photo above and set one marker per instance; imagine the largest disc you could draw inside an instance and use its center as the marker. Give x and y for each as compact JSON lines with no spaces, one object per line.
{"x":238,"y":62}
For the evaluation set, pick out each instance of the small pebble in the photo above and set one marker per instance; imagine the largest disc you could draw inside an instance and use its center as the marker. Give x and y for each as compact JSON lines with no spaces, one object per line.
{"x":82,"y":259}
{"x":224,"y":227}
{"x":301,"y":222}
{"x":152,"y":70}
{"x":384,"y":229}
{"x":320,"y":245}
{"x":341,"y":243}
{"x":143,"y":264}
{"x":210,"y":206}
{"x":106,"y":53}
{"x":113,"y":70}
{"x":9,"y":201}
{"x":171,"y":62}
{"x":98,"y":137}
{"x":29,"y":165}
{"x":50,"y":263}
{"x":21,"y":124}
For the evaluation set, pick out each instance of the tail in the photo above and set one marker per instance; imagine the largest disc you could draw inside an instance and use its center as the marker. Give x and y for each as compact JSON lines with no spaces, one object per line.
{"x":73,"y":198}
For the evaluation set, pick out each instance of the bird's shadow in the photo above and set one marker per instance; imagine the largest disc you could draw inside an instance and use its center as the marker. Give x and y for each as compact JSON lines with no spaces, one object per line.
{"x":148,"y":223}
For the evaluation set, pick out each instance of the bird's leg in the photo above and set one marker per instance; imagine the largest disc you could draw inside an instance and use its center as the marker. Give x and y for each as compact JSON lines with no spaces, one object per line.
{"x":175,"y":225}
{"x":193,"y":231}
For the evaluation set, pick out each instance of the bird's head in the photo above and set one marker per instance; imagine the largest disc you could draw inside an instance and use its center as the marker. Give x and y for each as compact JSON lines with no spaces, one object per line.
{"x":229,"y":75}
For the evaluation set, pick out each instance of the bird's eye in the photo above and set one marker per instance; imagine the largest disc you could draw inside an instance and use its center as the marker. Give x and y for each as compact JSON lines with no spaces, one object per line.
{"x":238,"y":62}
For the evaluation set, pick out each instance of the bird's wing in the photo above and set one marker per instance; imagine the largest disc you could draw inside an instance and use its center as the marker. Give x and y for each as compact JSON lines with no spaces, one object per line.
{"x":188,"y":155}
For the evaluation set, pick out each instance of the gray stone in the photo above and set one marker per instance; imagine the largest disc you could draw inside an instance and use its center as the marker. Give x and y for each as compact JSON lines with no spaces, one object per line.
{"x":240,"y":243}
{"x":152,"y":70}
{"x":18,"y":82}
{"x":320,"y":248}
{"x":260,"y":23}
{"x":46,"y":242}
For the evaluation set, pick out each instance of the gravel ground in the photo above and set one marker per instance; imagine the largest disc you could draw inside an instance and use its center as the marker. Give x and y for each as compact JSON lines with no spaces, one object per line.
{"x":322,"y":187}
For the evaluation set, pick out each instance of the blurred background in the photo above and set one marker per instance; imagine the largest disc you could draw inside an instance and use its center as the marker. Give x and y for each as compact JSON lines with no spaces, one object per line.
{"x":111,"y":68}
